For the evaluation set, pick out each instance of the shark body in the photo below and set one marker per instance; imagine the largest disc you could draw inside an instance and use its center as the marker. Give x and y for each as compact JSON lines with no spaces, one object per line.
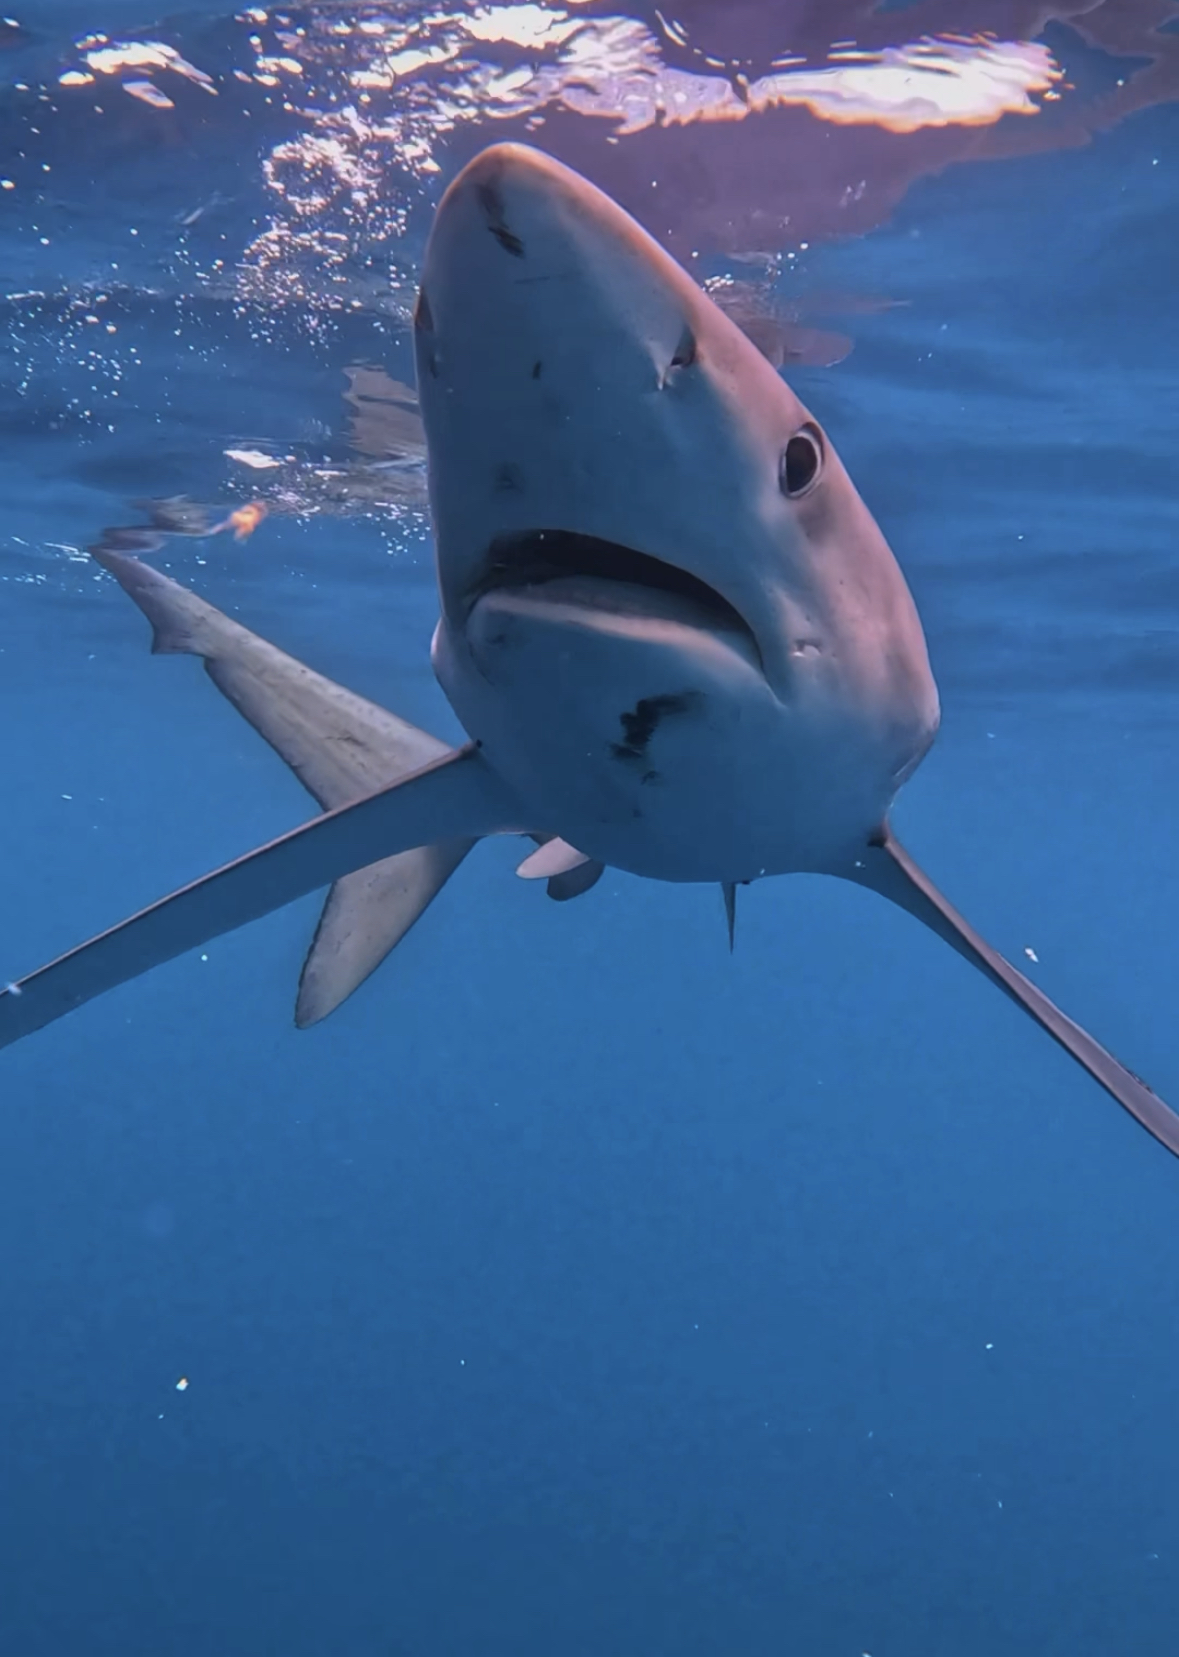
{"x":675,"y":635}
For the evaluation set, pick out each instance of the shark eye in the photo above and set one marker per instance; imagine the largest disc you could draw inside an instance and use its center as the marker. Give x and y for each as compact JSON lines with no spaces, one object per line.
{"x":801,"y":463}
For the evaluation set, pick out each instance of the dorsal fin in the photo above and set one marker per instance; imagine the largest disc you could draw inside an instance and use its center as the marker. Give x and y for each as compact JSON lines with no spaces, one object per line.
{"x":365,"y":916}
{"x":340,"y":746}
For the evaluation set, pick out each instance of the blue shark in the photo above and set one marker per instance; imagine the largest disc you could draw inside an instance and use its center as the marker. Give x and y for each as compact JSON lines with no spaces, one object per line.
{"x":675,"y":636}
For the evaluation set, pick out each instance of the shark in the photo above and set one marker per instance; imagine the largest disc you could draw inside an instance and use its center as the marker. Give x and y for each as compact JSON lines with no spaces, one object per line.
{"x":673,"y":633}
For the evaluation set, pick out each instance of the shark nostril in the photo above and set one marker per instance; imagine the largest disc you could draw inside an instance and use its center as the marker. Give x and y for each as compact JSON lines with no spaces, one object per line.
{"x":685,"y":351}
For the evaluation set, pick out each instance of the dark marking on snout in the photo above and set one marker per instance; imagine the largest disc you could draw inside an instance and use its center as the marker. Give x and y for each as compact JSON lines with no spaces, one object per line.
{"x":537,"y":369}
{"x":639,"y":726}
{"x":509,"y":479}
{"x":509,"y":240}
{"x":492,"y":203}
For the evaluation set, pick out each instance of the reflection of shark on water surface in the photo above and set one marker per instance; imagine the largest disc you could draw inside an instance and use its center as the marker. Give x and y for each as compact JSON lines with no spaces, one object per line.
{"x":674,"y":634}
{"x":384,"y":469}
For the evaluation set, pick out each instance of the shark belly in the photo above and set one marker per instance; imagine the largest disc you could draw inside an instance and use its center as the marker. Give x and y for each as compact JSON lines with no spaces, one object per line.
{"x":652,"y":742}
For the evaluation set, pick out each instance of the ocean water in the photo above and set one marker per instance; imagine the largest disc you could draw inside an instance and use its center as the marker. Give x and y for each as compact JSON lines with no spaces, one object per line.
{"x":578,"y":1288}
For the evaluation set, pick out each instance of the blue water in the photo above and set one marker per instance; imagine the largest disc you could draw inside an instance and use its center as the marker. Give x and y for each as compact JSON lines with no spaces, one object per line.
{"x":578,"y":1288}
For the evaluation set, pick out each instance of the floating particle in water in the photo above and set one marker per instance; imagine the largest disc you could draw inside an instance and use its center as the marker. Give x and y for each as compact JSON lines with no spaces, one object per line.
{"x":244,"y":520}
{"x":254,"y":458}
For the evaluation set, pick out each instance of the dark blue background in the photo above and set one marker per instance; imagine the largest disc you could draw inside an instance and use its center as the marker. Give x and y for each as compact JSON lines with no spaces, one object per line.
{"x":578,"y":1288}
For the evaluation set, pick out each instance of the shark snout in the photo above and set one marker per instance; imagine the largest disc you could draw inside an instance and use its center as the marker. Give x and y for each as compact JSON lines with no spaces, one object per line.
{"x":506,"y":173}
{"x":593,"y":418}
{"x":535,"y":275}
{"x":555,"y":344}
{"x":513,"y":202}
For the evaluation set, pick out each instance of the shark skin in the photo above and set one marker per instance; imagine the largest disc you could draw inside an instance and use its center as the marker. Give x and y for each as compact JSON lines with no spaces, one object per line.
{"x":673,"y":632}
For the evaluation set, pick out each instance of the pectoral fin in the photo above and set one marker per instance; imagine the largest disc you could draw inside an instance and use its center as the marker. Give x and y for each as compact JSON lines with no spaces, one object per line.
{"x":888,"y":869}
{"x":458,"y":797}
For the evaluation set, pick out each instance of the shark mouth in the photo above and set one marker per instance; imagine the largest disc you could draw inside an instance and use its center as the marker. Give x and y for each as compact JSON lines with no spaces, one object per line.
{"x":540,"y":556}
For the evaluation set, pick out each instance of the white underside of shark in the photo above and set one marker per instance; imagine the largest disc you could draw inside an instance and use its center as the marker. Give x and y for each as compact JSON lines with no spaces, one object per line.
{"x":673,"y":632}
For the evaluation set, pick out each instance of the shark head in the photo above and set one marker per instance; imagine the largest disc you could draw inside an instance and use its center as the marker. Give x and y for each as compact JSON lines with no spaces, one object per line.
{"x":641,"y":530}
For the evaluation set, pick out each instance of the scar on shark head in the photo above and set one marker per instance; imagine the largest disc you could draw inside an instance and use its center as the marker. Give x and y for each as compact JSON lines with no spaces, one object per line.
{"x":689,"y":588}
{"x":640,"y":725}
